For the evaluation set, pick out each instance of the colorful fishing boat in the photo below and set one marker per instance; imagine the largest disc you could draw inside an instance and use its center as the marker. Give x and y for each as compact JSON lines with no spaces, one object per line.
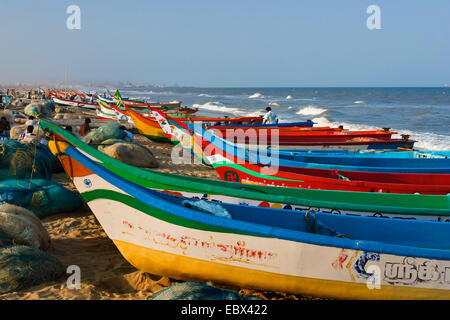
{"x":427,"y":207}
{"x":140,"y":104}
{"x":110,"y":114}
{"x":439,"y":165}
{"x":273,"y":142}
{"x":73,"y":103}
{"x":307,"y":253}
{"x":186,"y":133}
{"x":150,"y":128}
{"x":237,"y":170}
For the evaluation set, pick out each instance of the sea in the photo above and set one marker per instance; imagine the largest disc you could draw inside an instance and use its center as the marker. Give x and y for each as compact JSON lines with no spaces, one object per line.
{"x":422,"y":113}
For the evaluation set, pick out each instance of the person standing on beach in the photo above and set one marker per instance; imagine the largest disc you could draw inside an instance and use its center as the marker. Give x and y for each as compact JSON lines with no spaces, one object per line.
{"x":31,"y":121}
{"x":128,"y":135}
{"x":270,"y":117}
{"x":27,"y":133}
{"x":4,"y":127}
{"x":85,"y":128}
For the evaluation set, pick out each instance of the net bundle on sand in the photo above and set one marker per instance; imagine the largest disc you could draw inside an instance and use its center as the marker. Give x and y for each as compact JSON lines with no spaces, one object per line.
{"x":23,"y":263}
{"x":17,"y":160}
{"x":42,"y":197}
{"x":110,"y":130}
{"x":198,"y":291}
{"x":25,"y":266}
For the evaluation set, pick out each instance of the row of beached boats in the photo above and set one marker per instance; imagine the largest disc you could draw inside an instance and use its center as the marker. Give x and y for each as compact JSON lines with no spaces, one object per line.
{"x":337,"y":221}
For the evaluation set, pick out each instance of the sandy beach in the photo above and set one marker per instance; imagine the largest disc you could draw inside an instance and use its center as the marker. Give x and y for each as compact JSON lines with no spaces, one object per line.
{"x":78,"y":239}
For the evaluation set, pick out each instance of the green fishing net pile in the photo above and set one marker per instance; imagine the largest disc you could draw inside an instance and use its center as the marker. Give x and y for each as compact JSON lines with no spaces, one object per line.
{"x":198,"y":291}
{"x":17,"y":160}
{"x":41,"y":108}
{"x":23,"y":266}
{"x":111,"y":130}
{"x":43,"y":197}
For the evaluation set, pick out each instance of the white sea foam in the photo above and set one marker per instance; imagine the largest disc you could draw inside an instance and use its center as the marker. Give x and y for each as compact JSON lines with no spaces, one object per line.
{"x":311,"y":111}
{"x":206,"y":95}
{"x":289,"y":98}
{"x":425,"y":140}
{"x":219,"y":107}
{"x":256,"y":96}
{"x":324,"y":122}
{"x":274,"y":104}
{"x":358,"y":102}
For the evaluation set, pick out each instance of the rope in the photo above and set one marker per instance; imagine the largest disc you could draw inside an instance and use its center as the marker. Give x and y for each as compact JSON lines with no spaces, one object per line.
{"x":2,"y":149}
{"x":33,"y":166}
{"x":320,"y":226}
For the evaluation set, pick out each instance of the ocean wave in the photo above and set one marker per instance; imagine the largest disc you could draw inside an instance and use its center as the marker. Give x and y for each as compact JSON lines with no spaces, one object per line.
{"x":219,"y":107}
{"x":274,"y":104}
{"x":426,"y":141}
{"x":311,"y":111}
{"x":206,"y":95}
{"x":324,"y":122}
{"x":289,"y":98}
{"x":256,"y":96}
{"x":358,"y":102}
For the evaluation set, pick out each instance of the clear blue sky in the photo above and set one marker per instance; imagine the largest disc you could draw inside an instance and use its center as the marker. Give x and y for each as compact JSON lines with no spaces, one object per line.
{"x":245,"y":43}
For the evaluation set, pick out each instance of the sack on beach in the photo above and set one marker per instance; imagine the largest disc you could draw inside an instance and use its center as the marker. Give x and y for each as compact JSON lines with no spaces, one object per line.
{"x":109,"y":142}
{"x":132,"y":154}
{"x":198,"y":291}
{"x":16,"y":131}
{"x":43,"y":197}
{"x":10,"y":115}
{"x":23,"y":227}
{"x":18,"y":103}
{"x":111,"y":130}
{"x":22,"y":267}
{"x":17,"y":160}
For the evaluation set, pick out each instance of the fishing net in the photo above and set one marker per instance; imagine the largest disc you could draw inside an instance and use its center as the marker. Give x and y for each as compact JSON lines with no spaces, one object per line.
{"x":131,"y":153}
{"x":198,"y":291}
{"x":207,"y":207}
{"x":5,"y":239}
{"x":17,"y":160}
{"x":10,"y":115}
{"x":42,"y":197}
{"x":111,"y":130}
{"x":45,"y":109}
{"x":23,"y":227}
{"x":22,"y":267}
